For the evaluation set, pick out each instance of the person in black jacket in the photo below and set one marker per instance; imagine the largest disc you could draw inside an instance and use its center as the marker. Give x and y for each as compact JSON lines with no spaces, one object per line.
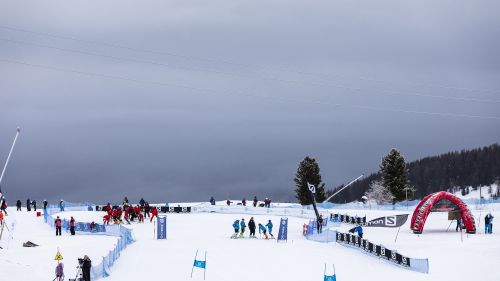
{"x":320,"y":224}
{"x":34,"y":205}
{"x":251,"y":226}
{"x":28,"y":205}
{"x":18,"y":205}
{"x":45,"y":205}
{"x":87,"y":264}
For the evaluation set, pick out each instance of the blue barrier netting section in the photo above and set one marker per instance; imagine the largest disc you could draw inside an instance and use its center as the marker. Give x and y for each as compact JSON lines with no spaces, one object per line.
{"x":124,"y":235}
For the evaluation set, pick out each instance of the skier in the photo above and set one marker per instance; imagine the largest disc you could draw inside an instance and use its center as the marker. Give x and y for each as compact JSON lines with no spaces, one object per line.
{"x":270,"y":228}
{"x":154,"y":213}
{"x":28,"y":205}
{"x":58,"y":224}
{"x":4,"y":207}
{"x":18,"y":205}
{"x":262,"y":229}
{"x":106,"y":219}
{"x":319,"y":225}
{"x":61,"y":205}
{"x":255,"y":201}
{"x":251,"y":226}
{"x":72,"y":226}
{"x":243,"y":226}
{"x":359,"y":230}
{"x":236,"y":226}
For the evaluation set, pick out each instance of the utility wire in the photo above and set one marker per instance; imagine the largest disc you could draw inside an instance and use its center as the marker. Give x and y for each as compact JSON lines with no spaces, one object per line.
{"x":192,"y":58}
{"x":209,"y":91}
{"x":351,"y":89}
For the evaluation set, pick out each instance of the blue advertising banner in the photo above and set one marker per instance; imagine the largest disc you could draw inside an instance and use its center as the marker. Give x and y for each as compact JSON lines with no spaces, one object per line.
{"x":283,"y":233}
{"x":161,"y":231}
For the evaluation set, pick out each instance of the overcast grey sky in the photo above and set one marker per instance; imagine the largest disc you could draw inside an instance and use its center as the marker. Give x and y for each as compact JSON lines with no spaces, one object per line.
{"x":181,"y":100}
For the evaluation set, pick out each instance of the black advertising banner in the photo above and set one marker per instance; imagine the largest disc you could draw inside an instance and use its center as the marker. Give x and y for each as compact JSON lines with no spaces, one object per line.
{"x":347,"y":219}
{"x":373,"y":249}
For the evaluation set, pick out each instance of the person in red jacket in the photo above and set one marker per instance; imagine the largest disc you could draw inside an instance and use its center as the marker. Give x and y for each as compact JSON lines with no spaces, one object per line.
{"x":141,"y":217}
{"x":154,"y":213}
{"x":72,"y":226}
{"x":106,"y":219}
{"x":58,"y":224}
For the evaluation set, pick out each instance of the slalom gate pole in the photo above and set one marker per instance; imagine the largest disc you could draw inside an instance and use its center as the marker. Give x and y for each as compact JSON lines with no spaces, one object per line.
{"x":397,"y":235}
{"x":192,"y":269}
{"x":205,"y":268}
{"x":154,"y":230}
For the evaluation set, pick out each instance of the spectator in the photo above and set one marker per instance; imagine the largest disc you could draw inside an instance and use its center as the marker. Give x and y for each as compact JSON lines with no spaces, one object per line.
{"x":34,"y":205}
{"x":255,"y":201}
{"x":61,"y":205}
{"x":28,"y":205}
{"x":4,"y":207}
{"x":18,"y":205}
{"x":488,"y":224}
{"x":459,"y":224}
{"x":72,"y":226}
{"x":320,"y":224}
{"x":212,"y":200}
{"x":45,"y":205}
{"x":58,"y":224}
{"x":87,"y":265}
{"x":251,"y":226}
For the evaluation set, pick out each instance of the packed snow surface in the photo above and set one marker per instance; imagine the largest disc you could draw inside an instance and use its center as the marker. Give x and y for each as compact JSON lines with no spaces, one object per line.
{"x":452,"y":256}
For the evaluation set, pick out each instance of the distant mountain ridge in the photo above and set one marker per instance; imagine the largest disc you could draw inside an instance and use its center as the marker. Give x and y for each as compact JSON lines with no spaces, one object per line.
{"x":449,"y":171}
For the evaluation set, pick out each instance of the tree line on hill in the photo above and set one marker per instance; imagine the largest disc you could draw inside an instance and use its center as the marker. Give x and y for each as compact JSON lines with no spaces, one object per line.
{"x":453,"y":171}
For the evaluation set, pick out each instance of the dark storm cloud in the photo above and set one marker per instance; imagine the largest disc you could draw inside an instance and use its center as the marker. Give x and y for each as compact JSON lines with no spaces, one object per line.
{"x":231,"y":95}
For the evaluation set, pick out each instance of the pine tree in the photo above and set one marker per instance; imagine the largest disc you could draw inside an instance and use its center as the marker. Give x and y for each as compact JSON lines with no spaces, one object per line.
{"x":308,"y":171}
{"x":395,"y":175}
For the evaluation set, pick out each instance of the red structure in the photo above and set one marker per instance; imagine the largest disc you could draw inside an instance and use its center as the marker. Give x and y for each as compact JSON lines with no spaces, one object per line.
{"x":441,"y":201}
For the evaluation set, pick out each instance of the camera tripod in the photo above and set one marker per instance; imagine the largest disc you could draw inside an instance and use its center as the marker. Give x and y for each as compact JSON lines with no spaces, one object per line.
{"x":79,"y":274}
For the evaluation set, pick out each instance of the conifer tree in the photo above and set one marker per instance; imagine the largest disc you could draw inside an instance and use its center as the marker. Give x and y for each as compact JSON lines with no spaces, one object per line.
{"x":308,"y":171}
{"x":395,"y":175}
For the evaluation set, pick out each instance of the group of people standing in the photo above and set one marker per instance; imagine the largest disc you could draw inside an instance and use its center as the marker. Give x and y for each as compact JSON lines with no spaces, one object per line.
{"x":31,"y":204}
{"x":130,"y":213}
{"x":58,"y":225}
{"x":239,"y":227}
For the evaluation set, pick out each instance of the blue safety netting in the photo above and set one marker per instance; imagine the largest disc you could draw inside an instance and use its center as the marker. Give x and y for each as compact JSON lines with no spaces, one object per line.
{"x":125,"y":238}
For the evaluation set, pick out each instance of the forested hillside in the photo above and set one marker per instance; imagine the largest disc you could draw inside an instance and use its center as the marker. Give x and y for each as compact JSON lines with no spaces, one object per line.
{"x":453,"y":170}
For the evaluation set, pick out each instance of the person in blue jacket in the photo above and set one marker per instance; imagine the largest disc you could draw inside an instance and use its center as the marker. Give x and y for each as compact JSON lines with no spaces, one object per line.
{"x":243,"y":225}
{"x":236,"y":226}
{"x":262,"y":229}
{"x":270,"y":228}
{"x":61,"y":205}
{"x":359,"y":230}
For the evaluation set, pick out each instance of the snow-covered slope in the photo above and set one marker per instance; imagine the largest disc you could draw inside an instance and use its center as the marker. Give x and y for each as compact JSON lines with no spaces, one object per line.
{"x":251,"y":259}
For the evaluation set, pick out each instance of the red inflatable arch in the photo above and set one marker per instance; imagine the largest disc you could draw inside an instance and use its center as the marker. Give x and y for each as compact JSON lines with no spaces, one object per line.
{"x":447,"y":199}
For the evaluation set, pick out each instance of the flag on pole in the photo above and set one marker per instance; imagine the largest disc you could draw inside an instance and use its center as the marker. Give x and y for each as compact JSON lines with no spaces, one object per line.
{"x":200,"y":264}
{"x":311,"y":187}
